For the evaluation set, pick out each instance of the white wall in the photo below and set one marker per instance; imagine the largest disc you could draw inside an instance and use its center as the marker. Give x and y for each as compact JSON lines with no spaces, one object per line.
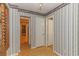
{"x":78,"y":31}
{"x":14,"y":32}
{"x":40,"y":31}
{"x":65,"y":30}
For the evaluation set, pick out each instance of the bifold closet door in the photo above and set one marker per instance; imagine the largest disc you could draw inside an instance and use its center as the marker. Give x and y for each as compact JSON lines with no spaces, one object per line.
{"x":4,"y":37}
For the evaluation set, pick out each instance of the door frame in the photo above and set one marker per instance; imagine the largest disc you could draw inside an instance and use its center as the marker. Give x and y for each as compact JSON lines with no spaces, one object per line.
{"x":47,"y":18}
{"x":29,"y":39}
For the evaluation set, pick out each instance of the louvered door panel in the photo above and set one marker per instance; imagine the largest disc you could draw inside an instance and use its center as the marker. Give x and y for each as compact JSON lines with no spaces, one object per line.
{"x":4,"y":36}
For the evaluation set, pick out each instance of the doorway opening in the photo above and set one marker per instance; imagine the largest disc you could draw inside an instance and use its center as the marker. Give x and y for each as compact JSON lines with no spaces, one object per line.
{"x":24,"y":33}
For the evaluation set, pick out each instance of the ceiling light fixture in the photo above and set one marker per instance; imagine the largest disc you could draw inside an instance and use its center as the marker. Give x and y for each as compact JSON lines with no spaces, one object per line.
{"x":41,"y":6}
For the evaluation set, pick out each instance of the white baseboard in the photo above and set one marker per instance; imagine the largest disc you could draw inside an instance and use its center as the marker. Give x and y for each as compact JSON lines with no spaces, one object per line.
{"x":15,"y":54}
{"x":49,"y":44}
{"x":57,"y":53}
{"x":37,"y":46}
{"x":8,"y":52}
{"x":33,"y":47}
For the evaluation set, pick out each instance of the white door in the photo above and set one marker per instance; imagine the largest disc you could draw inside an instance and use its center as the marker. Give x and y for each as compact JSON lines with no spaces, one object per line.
{"x":40,"y":31}
{"x":50,"y":31}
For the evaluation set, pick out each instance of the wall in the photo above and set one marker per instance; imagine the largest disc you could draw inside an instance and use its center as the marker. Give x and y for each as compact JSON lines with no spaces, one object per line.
{"x":40,"y":31}
{"x":78,"y":32}
{"x":65,"y":30}
{"x":14,"y":32}
{"x":14,"y":28}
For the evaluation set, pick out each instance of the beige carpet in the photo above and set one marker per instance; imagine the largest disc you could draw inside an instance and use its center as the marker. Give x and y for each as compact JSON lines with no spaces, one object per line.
{"x":40,"y":51}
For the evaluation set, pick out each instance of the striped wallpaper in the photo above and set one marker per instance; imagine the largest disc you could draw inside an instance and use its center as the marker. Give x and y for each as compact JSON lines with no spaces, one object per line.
{"x":66,"y":30}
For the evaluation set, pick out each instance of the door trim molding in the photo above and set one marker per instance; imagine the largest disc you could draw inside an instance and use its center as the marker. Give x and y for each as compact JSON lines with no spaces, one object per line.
{"x":29,"y":19}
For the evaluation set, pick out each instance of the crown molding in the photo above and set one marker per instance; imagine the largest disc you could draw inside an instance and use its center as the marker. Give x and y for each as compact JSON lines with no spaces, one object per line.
{"x":26,"y":11}
{"x":12,"y":6}
{"x":57,"y":8}
{"x":36,"y":13}
{"x":31,"y":12}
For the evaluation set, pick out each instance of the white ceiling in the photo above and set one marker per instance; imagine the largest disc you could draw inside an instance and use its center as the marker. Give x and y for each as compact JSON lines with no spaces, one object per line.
{"x":35,"y":6}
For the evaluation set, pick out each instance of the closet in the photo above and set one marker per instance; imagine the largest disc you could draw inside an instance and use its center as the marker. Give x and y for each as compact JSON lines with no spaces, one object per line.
{"x":4,"y":29}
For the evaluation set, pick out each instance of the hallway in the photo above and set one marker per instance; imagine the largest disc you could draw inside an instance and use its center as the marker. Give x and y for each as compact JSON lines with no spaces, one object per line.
{"x":54,"y":25}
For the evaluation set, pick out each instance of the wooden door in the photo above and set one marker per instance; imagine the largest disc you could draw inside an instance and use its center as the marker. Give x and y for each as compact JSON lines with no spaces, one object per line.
{"x":24,"y":26}
{"x":4,"y":29}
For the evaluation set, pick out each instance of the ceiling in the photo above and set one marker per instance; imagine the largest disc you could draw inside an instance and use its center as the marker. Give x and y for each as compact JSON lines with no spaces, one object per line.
{"x":35,"y":6}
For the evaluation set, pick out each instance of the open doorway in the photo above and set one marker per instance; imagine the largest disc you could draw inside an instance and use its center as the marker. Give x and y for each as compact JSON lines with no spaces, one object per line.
{"x":24,"y":32}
